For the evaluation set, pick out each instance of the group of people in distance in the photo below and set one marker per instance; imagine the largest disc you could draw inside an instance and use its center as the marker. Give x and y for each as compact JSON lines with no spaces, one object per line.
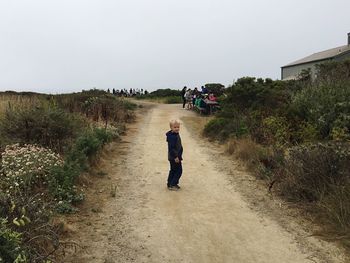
{"x":128,"y":93}
{"x":195,"y":98}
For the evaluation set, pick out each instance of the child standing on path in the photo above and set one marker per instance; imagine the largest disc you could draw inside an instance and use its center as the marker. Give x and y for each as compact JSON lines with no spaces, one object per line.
{"x":174,"y":155}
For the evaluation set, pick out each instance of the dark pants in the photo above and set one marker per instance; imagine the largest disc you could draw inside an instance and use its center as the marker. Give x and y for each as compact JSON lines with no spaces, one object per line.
{"x":184,"y":102}
{"x":174,"y":173}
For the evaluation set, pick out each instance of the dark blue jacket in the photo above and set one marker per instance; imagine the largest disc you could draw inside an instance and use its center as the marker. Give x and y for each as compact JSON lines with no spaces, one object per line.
{"x":174,"y":145}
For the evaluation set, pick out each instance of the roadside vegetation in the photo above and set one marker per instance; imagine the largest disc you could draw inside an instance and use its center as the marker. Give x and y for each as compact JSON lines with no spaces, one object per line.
{"x":167,"y":96}
{"x":46,"y":143}
{"x":170,"y":96}
{"x":296,"y":136}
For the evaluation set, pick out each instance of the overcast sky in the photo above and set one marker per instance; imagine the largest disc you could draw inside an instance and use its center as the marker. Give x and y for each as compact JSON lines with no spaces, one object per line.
{"x":69,"y":45}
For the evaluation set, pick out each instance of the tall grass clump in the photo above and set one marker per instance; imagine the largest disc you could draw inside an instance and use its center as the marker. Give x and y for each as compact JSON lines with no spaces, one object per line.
{"x":313,"y":170}
{"x":319,"y":173}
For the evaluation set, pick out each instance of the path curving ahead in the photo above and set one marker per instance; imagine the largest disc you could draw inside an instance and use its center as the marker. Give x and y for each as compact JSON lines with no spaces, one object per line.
{"x":206,"y":221}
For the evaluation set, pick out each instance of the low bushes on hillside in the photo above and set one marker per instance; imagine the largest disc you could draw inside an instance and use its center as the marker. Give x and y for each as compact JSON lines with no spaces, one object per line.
{"x":44,"y":149}
{"x":295,"y":134}
{"x":97,"y":105}
{"x":168,"y":96}
{"x":47,"y":126}
{"x":34,"y":182}
{"x":173,"y":100}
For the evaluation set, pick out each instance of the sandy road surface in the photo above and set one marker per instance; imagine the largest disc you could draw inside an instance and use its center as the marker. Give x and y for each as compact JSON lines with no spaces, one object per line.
{"x":206,"y":221}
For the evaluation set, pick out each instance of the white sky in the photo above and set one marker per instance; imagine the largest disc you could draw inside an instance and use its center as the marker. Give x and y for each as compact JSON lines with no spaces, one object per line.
{"x":69,"y":45}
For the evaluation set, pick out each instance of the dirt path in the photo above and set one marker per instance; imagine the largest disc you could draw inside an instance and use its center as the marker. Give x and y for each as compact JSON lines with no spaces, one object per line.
{"x":206,"y":221}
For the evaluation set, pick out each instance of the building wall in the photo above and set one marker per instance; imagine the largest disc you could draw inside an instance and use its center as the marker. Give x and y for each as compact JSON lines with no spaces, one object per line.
{"x":294,"y":71}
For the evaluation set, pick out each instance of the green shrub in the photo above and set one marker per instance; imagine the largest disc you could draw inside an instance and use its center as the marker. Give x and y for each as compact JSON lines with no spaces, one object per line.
{"x":217,"y":88}
{"x":104,"y":135}
{"x":304,"y":132}
{"x":77,"y":160}
{"x":128,"y":105}
{"x":165,"y":93}
{"x":168,"y":96}
{"x":10,"y":244}
{"x":213,"y":126}
{"x":258,"y":94}
{"x":88,"y":144}
{"x":223,"y":128}
{"x":62,"y":181}
{"x":65,"y":207}
{"x":28,"y":213}
{"x":276,"y":131}
{"x":326,"y":107}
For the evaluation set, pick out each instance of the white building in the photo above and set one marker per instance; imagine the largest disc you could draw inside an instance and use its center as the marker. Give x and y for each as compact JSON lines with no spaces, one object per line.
{"x":292,"y":70}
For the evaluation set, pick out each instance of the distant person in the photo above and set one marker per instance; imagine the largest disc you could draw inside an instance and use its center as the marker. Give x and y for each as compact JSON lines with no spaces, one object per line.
{"x":212,"y":97}
{"x":174,"y":155}
{"x":204,"y":90}
{"x":188,"y":97}
{"x":195,"y":94}
{"x":183,"y":92}
{"x":200,"y":103}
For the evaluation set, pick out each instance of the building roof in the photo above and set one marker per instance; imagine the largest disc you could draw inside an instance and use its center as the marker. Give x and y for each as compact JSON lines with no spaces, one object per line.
{"x":327,"y":54}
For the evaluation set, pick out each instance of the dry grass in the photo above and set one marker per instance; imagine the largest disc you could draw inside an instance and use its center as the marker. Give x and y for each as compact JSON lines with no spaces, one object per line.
{"x":14,"y":100}
{"x":245,"y":149}
{"x":259,"y":160}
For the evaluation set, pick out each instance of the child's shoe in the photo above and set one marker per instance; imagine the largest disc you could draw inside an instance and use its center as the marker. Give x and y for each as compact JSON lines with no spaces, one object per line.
{"x":173,"y":188}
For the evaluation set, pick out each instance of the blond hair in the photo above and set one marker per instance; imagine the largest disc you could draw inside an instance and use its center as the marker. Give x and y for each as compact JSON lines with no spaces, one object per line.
{"x":173,"y":122}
